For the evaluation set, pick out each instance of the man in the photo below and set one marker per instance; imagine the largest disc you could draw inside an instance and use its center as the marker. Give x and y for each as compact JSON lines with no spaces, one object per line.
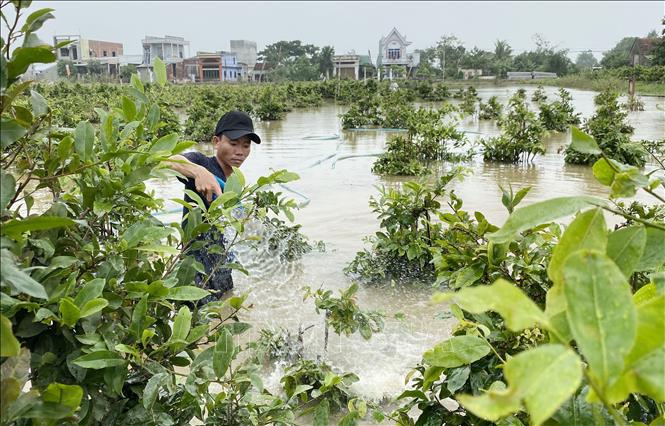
{"x":233,"y":138}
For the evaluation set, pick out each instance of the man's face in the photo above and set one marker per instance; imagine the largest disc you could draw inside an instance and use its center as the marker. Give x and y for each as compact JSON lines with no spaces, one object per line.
{"x":232,"y":152}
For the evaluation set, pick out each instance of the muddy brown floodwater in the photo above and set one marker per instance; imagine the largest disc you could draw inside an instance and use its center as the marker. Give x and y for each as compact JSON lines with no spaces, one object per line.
{"x":339,"y":215}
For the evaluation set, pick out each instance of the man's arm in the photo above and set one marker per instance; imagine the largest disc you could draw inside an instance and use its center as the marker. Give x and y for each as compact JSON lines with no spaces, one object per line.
{"x":205,"y":182}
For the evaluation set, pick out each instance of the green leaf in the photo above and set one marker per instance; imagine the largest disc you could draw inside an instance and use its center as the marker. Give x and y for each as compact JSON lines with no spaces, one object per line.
{"x":469,"y":275}
{"x":541,"y":212}
{"x":89,"y":291}
{"x":645,"y":364}
{"x":84,"y":140}
{"x":165,"y":144}
{"x":187,"y":292}
{"x":542,"y":379}
{"x":69,"y":311}
{"x":38,"y":103}
{"x":603,"y":171}
{"x":151,"y":390}
{"x":181,"y":324}
{"x":67,"y":395}
{"x":160,"y":71}
{"x":100,"y":359}
{"x":139,"y":317}
{"x":36,"y":19}
{"x":93,"y":306}
{"x":581,"y":142}
{"x":625,"y":247}
{"x":18,"y":280}
{"x":235,"y":182}
{"x":600,"y":312}
{"x":7,"y":189}
{"x":10,"y":132}
{"x":16,"y":227}
{"x":23,"y":57}
{"x":128,"y":108}
{"x":587,"y":231}
{"x":507,"y":300}
{"x":9,"y":346}
{"x":456,"y":378}
{"x":555,"y":308}
{"x":654,"y":255}
{"x":136,"y":82}
{"x":322,"y":414}
{"x":223,"y":353}
{"x":457,"y":351}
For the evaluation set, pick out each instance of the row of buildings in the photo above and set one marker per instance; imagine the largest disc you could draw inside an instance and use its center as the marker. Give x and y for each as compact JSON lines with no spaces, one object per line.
{"x":232,"y":65}
{"x":238,"y":63}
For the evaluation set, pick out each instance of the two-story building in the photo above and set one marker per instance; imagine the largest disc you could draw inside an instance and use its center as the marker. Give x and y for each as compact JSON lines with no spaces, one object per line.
{"x":170,"y":49}
{"x":81,"y":51}
{"x":213,"y":67}
{"x":393,"y":54}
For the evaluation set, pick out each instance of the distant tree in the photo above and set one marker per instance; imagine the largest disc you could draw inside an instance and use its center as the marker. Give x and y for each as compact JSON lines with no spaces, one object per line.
{"x":126,"y":72}
{"x":325,"y":60}
{"x":62,"y":68}
{"x":502,"y":50}
{"x":477,"y":59}
{"x":450,"y":52}
{"x":619,"y":55}
{"x":652,"y":34}
{"x":586,"y":60}
{"x":659,"y":48}
{"x":544,"y":58}
{"x":95,"y":67}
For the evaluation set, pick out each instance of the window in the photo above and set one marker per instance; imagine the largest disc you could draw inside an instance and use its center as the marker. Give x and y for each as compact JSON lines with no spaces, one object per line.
{"x":104,"y":54}
{"x":64,"y":51}
{"x":113,"y":53}
{"x":394,"y":53}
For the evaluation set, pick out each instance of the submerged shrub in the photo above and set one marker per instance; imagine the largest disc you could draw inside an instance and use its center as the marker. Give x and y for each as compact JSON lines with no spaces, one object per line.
{"x":609,"y":128}
{"x":559,"y":115}
{"x":521,"y":134}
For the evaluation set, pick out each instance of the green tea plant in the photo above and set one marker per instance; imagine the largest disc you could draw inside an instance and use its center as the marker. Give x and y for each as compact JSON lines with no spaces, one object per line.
{"x":401,"y":250}
{"x":491,"y":110}
{"x":612,"y":373}
{"x":559,"y":115}
{"x":521,"y":134}
{"x":343,"y":313}
{"x":539,"y":96}
{"x":429,"y":139}
{"x":609,"y":128}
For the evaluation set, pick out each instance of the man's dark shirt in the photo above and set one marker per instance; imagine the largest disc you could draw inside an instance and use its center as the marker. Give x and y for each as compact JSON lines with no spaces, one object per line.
{"x":219,"y":279}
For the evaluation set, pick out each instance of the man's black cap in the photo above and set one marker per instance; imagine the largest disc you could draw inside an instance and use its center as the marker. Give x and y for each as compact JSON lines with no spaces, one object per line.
{"x":236,"y":124}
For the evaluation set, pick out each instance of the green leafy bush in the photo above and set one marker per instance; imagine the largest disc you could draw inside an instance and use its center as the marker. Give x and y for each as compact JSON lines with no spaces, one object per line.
{"x":491,"y":110}
{"x":609,"y":128}
{"x":521,"y":134}
{"x":559,"y":115}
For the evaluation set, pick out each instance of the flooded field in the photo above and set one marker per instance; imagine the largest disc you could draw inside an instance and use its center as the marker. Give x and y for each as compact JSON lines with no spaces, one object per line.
{"x":338,"y":214}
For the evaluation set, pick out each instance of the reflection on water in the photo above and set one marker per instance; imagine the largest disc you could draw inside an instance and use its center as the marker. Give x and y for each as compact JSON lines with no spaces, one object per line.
{"x":339,"y":215}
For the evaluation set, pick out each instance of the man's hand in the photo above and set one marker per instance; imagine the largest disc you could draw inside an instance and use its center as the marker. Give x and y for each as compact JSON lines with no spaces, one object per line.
{"x":207,"y":184}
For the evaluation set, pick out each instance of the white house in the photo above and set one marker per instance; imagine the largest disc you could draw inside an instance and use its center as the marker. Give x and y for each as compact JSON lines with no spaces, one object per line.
{"x":392,"y":52}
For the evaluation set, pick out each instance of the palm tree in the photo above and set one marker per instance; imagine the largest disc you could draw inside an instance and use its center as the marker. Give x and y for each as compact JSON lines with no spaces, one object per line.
{"x":502,"y":49}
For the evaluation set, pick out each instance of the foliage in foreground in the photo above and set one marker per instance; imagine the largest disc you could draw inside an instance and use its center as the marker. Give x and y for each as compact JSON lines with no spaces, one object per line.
{"x":591,"y":352}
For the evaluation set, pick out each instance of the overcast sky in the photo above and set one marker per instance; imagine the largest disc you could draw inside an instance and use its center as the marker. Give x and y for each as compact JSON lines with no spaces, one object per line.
{"x":209,"y":26}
